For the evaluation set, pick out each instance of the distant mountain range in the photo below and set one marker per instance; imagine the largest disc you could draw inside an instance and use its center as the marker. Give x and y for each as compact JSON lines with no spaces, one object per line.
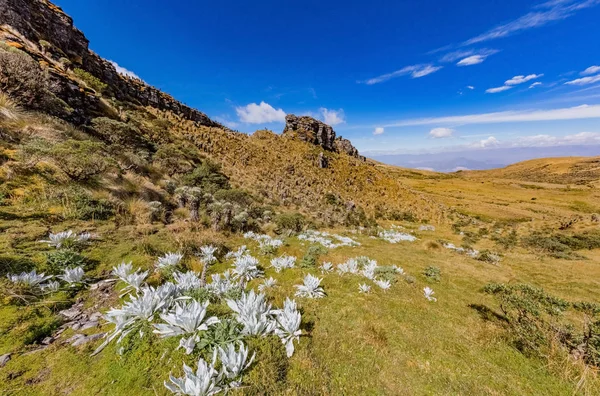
{"x":453,"y":161}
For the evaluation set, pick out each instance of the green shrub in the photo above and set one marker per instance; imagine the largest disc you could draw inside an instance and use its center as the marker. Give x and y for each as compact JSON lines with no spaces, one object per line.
{"x":506,"y":240}
{"x":118,"y":133}
{"x":21,"y":78}
{"x":488,"y":257}
{"x":289,"y":222}
{"x":208,"y":177}
{"x":81,"y":160}
{"x":91,"y":81}
{"x":312,"y":256}
{"x":560,"y":245}
{"x":528,"y":312}
{"x":433,"y":273}
{"x":58,"y":260}
{"x":172,"y":160}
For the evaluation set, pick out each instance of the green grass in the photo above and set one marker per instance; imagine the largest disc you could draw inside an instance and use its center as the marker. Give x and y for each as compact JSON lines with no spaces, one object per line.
{"x":393,"y":342}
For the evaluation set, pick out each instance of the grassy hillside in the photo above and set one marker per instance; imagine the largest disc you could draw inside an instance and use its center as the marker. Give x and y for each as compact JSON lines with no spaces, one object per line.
{"x":512,"y":256}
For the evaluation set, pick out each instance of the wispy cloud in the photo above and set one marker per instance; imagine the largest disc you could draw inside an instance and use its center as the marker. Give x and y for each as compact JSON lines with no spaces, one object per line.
{"x":471,"y":60}
{"x":378,"y":131}
{"x":569,"y":113}
{"x":516,"y":80}
{"x":121,"y":70}
{"x":461,"y":55}
{"x":440,"y":133}
{"x":333,"y":117}
{"x":262,"y":113}
{"x":590,"y":70}
{"x":554,"y":10}
{"x":584,"y":80}
{"x":535,"y":84}
{"x":470,"y":87}
{"x":498,"y":89}
{"x":415,"y":71}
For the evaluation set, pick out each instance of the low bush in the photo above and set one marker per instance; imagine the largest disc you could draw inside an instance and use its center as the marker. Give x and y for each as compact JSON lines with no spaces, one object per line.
{"x":432,"y":273}
{"x":208,"y":177}
{"x":312,"y":256}
{"x":289,"y":223}
{"x":91,"y":81}
{"x":58,"y":260}
{"x":560,"y":245}
{"x":21,"y":78}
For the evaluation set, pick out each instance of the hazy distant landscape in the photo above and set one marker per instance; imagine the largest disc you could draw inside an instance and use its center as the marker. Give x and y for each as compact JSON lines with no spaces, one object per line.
{"x":453,"y":161}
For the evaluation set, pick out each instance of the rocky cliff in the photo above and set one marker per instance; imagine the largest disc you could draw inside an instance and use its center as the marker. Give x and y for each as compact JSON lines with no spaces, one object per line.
{"x":318,"y":133}
{"x":44,"y":31}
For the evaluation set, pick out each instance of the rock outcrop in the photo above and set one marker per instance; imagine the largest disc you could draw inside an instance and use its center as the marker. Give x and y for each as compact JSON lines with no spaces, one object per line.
{"x":318,"y":133}
{"x":44,"y":31}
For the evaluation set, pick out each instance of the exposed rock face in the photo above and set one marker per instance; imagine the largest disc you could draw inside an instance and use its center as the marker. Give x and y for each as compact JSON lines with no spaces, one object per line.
{"x":318,"y":133}
{"x":27,"y":22}
{"x":310,"y":130}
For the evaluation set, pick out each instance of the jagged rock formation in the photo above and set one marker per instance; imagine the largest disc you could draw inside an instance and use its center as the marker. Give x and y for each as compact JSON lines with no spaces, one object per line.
{"x":318,"y":133}
{"x":44,"y":31}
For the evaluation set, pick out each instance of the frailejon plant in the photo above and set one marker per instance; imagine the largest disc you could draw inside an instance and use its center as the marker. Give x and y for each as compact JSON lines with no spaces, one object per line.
{"x":28,"y":279}
{"x":205,"y":381}
{"x":73,"y":276}
{"x":140,"y":309}
{"x":326,"y":267}
{"x":67,"y":239}
{"x":246,"y":269}
{"x":169,"y":261}
{"x":222,"y":283}
{"x":253,"y":312}
{"x":187,"y":319}
{"x":283,"y":262}
{"x":288,"y":322}
{"x":383,"y":284}
{"x":133,"y":280}
{"x":268,"y":283}
{"x":187,"y":281}
{"x":311,"y":288}
{"x":364,"y":288}
{"x":428,"y":292}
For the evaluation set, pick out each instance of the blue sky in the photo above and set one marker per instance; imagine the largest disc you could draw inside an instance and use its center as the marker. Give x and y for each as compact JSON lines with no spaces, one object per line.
{"x":392,"y":76}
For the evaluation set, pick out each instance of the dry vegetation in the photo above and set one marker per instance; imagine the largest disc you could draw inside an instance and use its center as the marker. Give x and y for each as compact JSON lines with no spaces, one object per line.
{"x":147,"y":182}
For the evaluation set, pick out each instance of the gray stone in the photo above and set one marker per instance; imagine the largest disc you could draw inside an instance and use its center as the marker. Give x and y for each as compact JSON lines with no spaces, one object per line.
{"x":89,"y":325}
{"x":84,"y":340}
{"x":4,"y":359}
{"x":47,"y":341}
{"x":74,"y":339}
{"x":71,"y":313}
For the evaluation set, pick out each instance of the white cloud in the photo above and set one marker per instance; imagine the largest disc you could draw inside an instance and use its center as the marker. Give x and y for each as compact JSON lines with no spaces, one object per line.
{"x":470,"y":87}
{"x":439,"y":133}
{"x":569,"y":113}
{"x":121,"y":70}
{"x":486,"y":143}
{"x":471,"y":60}
{"x":498,"y":89}
{"x":416,"y":71}
{"x":549,"y":11}
{"x":262,"y":113}
{"x":333,"y":117}
{"x":469,"y":53}
{"x":584,"y":80}
{"x":378,"y":131}
{"x":535,"y":84}
{"x":516,"y":80}
{"x":590,"y":70}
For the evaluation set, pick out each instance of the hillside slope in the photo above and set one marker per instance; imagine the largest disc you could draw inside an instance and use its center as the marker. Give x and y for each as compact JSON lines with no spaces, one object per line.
{"x":272,"y":165}
{"x":562,"y":170}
